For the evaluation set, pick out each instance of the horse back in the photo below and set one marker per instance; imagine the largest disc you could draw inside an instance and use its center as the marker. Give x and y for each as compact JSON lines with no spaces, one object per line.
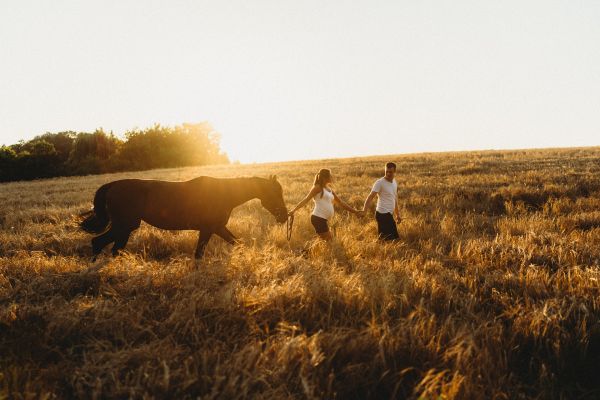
{"x":169,"y":205}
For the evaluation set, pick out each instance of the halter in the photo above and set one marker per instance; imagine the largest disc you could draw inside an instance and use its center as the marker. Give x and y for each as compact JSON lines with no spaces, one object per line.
{"x":288,"y":227}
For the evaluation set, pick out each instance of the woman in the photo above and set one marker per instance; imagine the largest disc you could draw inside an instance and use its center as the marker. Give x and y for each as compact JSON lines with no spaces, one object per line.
{"x":324,"y":198}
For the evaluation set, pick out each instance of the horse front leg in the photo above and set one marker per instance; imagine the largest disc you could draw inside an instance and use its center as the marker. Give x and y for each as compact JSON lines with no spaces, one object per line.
{"x":203,"y":238}
{"x":227,"y":235}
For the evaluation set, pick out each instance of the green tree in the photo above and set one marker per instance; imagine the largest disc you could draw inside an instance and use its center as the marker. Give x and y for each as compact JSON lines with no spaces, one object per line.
{"x":91,"y":152}
{"x":8,"y":160}
{"x":38,"y":159}
{"x":62,"y":141}
{"x":70,"y":153}
{"x":203,"y":144}
{"x":165,"y":147}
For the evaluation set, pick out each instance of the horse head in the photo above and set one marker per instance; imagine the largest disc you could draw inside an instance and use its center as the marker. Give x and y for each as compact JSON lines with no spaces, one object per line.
{"x":271,"y":198}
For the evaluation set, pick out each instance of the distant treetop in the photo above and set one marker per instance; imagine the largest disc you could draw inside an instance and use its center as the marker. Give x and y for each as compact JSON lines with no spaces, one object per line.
{"x":82,"y":153}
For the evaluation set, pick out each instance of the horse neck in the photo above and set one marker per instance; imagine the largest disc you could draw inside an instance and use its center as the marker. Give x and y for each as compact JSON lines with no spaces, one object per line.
{"x":244,"y":189}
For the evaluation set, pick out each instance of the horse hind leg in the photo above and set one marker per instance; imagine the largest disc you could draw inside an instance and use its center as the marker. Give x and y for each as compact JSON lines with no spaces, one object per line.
{"x":122,"y":227}
{"x":121,"y":238}
{"x":101,"y":241}
{"x":229,"y":237}
{"x":203,"y":238}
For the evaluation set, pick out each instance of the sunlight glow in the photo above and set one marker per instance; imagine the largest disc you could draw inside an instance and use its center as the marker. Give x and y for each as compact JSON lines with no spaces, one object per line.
{"x":285,"y":80}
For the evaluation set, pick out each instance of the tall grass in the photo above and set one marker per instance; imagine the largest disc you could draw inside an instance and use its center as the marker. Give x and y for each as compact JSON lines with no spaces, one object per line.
{"x":492,"y":292}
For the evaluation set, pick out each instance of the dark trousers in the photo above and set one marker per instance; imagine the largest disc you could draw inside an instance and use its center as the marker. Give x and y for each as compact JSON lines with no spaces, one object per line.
{"x":386,"y":226}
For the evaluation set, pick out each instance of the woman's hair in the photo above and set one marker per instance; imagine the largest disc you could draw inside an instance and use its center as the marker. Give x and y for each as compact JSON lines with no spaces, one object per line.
{"x":321,"y":178}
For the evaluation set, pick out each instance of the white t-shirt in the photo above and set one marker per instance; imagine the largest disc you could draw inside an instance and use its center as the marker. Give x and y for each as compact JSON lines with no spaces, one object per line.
{"x":388,"y":195}
{"x":324,"y":205}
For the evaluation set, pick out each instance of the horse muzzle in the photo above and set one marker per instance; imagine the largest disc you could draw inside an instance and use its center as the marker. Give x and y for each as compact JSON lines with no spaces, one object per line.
{"x":281,"y":216}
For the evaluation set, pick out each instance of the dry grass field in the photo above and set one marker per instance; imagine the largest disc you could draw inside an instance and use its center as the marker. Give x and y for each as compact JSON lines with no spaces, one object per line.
{"x":493,"y":291}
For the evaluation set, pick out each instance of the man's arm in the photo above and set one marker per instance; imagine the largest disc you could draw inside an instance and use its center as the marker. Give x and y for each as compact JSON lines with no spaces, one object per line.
{"x":396,"y":208}
{"x":368,"y":201}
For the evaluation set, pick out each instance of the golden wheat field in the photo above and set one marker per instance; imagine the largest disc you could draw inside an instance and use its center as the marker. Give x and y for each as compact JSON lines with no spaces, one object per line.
{"x":493,"y":291}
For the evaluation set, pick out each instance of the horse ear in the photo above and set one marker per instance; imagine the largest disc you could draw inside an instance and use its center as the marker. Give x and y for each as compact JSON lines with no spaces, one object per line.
{"x":274,"y":178}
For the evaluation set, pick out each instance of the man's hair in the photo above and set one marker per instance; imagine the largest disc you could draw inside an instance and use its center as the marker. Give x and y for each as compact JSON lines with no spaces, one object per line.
{"x":390,"y":165}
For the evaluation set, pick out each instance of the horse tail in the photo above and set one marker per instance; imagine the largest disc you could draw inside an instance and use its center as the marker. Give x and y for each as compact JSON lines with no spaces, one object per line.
{"x":96,"y":220}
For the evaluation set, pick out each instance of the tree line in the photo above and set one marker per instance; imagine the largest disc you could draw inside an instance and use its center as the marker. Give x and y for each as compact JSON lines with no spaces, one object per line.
{"x":82,"y":153}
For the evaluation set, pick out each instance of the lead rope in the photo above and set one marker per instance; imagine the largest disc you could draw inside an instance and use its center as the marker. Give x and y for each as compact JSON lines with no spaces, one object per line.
{"x":289,"y":225}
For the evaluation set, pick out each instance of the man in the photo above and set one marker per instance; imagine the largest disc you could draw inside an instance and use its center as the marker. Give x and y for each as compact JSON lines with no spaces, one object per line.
{"x":386,"y":190}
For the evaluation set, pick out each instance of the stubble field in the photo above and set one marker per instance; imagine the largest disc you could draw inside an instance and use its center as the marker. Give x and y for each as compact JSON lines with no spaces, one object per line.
{"x":493,"y":291}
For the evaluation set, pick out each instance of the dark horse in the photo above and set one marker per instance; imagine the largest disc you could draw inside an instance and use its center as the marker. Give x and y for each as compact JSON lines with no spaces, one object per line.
{"x":203,"y":204}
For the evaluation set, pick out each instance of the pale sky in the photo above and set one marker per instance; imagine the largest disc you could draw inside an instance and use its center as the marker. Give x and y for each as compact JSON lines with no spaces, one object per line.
{"x":288,"y":80}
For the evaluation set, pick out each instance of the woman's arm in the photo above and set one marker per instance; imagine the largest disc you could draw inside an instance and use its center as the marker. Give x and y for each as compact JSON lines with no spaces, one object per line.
{"x":343,"y":204}
{"x":315,"y":189}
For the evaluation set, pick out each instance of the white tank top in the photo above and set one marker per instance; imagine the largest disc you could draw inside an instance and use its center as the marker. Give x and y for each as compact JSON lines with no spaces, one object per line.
{"x":323,"y":205}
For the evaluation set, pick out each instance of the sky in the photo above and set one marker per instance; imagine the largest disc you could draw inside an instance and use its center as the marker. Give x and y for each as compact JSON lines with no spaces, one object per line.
{"x":292,"y":80}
